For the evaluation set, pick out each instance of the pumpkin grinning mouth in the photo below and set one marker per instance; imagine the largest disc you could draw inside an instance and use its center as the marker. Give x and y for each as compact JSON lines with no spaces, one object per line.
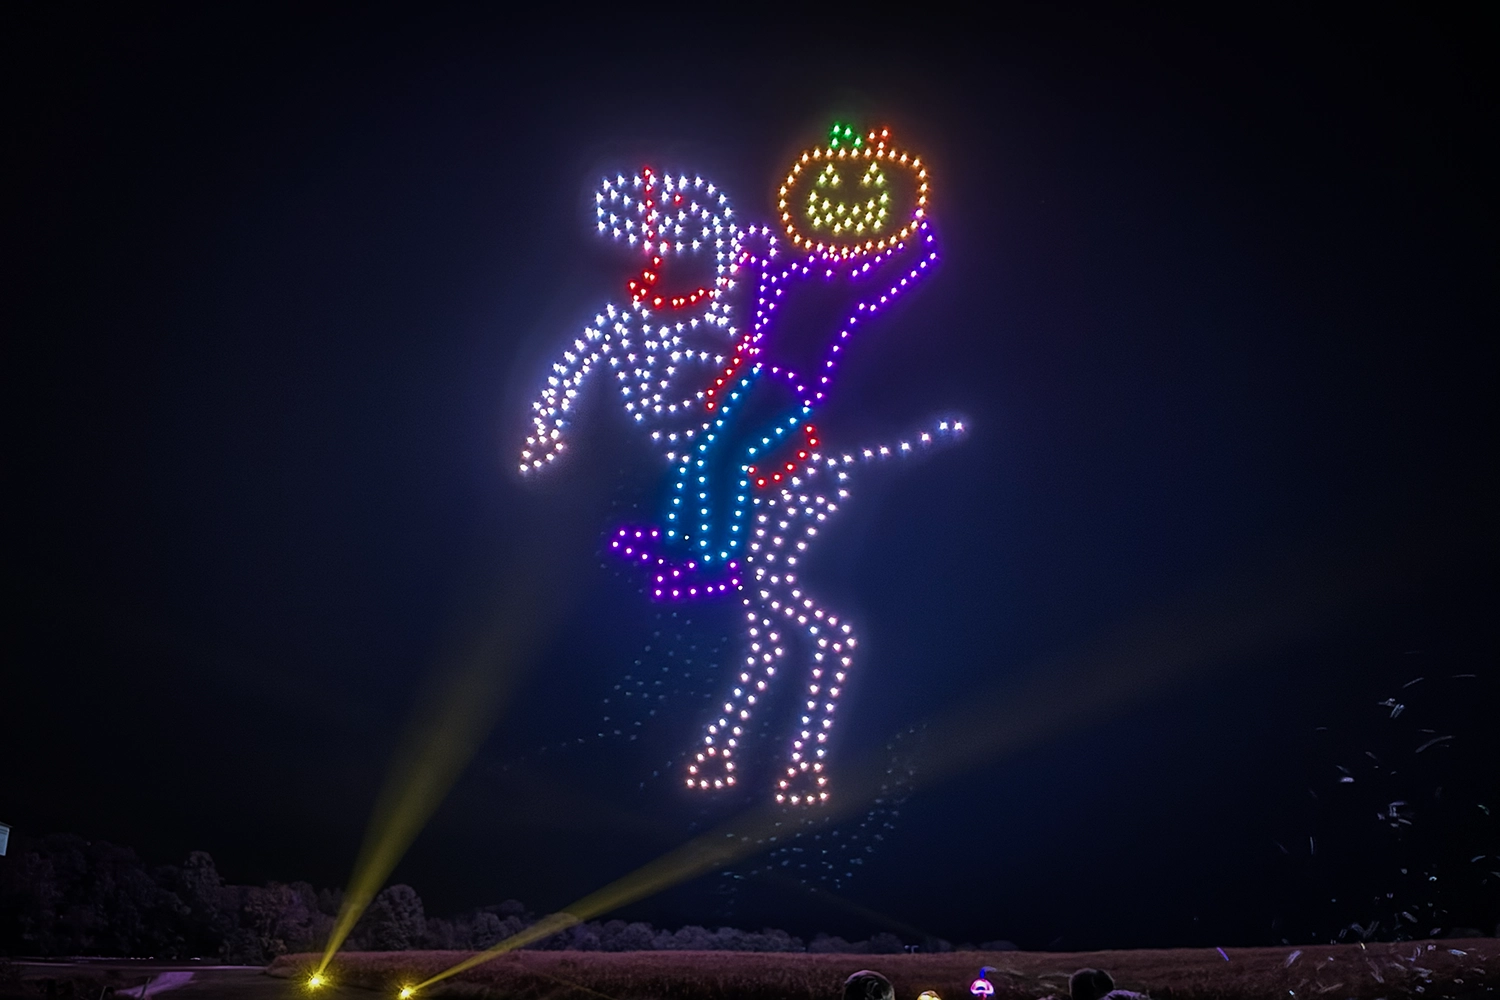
{"x":644,"y":287}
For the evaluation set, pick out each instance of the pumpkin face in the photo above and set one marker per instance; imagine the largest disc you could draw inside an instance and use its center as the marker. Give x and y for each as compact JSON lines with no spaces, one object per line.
{"x":855,"y":195}
{"x":842,"y":211}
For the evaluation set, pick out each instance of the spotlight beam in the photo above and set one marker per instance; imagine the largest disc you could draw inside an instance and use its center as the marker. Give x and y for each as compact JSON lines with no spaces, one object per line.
{"x":440,"y":741}
{"x":1211,"y":626}
{"x":875,"y":917}
{"x":470,"y":687}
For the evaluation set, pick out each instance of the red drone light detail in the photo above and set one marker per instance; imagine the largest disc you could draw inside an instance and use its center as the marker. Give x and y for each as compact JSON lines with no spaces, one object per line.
{"x":787,"y":468}
{"x":640,"y":290}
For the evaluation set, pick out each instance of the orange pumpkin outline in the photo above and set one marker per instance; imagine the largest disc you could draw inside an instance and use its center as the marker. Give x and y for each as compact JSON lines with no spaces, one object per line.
{"x":877,"y":149}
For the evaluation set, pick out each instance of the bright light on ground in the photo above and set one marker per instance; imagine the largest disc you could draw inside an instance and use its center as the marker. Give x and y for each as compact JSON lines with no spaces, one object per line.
{"x":315,"y":980}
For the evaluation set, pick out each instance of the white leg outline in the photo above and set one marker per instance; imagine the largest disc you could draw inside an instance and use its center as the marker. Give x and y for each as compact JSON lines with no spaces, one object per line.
{"x":786,"y":523}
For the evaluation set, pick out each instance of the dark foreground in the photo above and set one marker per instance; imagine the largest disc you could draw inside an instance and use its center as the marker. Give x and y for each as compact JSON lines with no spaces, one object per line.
{"x":1459,"y":969}
{"x":98,"y":978}
{"x":1429,"y":969}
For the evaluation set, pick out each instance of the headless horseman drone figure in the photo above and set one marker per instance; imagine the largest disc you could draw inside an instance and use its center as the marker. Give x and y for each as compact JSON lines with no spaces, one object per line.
{"x":745,"y":503}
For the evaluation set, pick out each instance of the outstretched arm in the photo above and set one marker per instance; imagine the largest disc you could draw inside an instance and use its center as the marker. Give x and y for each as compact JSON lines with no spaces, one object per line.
{"x":595,"y":347}
{"x":652,"y":344}
{"x":835,"y":469}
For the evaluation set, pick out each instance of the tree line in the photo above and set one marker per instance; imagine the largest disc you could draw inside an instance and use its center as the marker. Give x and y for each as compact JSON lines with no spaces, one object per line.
{"x":64,"y":895}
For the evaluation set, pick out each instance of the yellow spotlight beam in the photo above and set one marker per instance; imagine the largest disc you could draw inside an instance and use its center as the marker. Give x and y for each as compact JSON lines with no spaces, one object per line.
{"x":875,"y":917}
{"x":472,"y":685}
{"x":1240,"y":617}
{"x":743,"y":835}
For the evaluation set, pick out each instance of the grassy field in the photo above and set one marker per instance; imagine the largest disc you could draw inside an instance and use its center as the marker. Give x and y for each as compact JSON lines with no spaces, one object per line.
{"x":92,"y":979}
{"x":1458,"y":969}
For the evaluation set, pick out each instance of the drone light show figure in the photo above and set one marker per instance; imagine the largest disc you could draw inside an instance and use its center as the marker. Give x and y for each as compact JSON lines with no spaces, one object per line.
{"x":745,"y":503}
{"x":659,"y":344}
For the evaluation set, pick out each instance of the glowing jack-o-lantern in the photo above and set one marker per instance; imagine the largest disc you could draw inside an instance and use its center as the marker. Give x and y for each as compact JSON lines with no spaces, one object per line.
{"x":858,"y":194}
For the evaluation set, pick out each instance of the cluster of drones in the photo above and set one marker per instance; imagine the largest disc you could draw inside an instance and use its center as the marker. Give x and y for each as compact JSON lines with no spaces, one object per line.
{"x":745,"y":501}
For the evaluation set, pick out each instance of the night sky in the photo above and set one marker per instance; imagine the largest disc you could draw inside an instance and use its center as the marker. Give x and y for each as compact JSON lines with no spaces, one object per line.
{"x":1216,"y":300}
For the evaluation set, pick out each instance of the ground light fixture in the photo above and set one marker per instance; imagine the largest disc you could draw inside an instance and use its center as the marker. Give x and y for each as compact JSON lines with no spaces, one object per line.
{"x":406,"y":993}
{"x":316,"y":980}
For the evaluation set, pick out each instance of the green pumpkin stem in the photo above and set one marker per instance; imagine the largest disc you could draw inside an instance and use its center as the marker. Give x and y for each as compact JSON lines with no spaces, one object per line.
{"x":843,"y":135}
